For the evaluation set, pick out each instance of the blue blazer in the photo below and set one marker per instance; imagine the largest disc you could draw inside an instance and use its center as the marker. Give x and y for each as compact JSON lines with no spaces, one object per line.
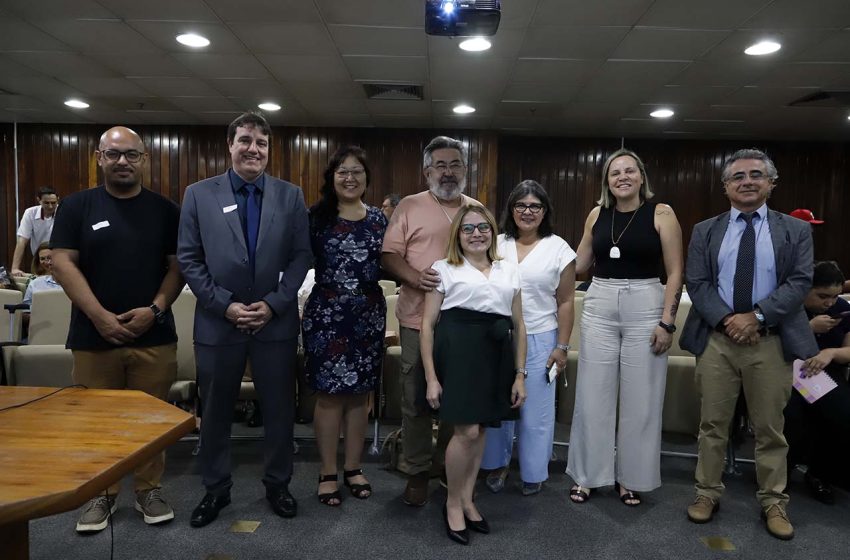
{"x":213,"y":257}
{"x":783,"y":308}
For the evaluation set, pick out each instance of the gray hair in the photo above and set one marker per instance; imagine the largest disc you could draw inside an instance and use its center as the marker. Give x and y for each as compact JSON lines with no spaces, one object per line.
{"x":606,"y":199}
{"x":439,"y":143}
{"x":750,"y":153}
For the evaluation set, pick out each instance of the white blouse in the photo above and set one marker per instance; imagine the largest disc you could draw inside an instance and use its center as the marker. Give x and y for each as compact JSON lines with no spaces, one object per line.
{"x":540,"y":273}
{"x":465,"y":286}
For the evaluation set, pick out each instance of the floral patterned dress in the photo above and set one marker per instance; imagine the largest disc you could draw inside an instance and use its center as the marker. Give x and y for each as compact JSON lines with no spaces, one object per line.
{"x":345,"y":316}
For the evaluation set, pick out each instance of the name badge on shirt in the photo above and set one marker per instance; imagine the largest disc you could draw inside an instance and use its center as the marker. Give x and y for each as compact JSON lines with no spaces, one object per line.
{"x":100,"y":225}
{"x":227,"y":209}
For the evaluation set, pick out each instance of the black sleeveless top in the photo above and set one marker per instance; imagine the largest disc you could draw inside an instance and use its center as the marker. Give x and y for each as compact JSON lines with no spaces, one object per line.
{"x":639,"y":245}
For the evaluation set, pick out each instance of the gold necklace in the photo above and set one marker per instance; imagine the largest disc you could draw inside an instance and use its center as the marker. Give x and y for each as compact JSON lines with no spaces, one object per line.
{"x":442,"y":208}
{"x":614,"y":253}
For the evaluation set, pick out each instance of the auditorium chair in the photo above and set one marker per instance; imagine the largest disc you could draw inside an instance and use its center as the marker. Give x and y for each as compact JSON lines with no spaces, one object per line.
{"x":388,"y":286}
{"x":50,"y":317}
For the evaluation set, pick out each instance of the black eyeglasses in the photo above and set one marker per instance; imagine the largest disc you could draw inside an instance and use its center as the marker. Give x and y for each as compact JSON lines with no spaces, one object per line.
{"x":483,"y":227}
{"x":132,"y":156}
{"x":520,"y":208}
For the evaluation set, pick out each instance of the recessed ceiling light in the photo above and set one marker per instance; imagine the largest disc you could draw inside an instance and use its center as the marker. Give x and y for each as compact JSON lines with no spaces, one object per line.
{"x":77,"y":104}
{"x":475,"y":44}
{"x":662,"y":113}
{"x":269,"y":106}
{"x":193,"y":40}
{"x":463,"y":109}
{"x":762,"y":48}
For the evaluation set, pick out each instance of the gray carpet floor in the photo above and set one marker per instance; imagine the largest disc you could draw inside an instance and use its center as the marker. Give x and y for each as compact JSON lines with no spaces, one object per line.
{"x":547,"y":525}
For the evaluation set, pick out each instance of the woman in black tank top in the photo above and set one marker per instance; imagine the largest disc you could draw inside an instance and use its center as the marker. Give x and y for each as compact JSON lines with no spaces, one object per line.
{"x":626,"y":329}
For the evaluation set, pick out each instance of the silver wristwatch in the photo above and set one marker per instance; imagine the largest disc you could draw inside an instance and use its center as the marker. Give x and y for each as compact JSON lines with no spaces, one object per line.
{"x":523,"y":371}
{"x":564,"y":347}
{"x":759,"y":316}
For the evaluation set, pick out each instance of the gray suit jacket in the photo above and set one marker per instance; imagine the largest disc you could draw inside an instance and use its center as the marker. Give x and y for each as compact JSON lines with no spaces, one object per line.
{"x":213,"y":256}
{"x":783,"y":308}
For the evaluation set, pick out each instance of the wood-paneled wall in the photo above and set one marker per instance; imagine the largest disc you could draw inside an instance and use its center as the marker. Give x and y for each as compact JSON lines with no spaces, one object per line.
{"x":63,"y":156}
{"x":686,"y":175}
{"x":683,"y":173}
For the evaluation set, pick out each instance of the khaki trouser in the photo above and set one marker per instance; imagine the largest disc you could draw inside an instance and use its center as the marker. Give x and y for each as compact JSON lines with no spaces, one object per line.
{"x":766,"y":378}
{"x":152,"y":370}
{"x":417,"y":437}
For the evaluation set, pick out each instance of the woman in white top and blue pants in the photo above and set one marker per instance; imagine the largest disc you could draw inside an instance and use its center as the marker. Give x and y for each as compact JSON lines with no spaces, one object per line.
{"x":547,"y":273}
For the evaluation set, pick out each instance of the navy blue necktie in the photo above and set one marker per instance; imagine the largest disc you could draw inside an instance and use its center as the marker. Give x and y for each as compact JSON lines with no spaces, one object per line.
{"x":742,"y":291}
{"x":252,"y":220}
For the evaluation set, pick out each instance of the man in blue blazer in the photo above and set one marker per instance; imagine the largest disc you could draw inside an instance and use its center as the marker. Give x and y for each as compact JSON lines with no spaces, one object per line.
{"x":748,"y":272}
{"x":244,"y":249}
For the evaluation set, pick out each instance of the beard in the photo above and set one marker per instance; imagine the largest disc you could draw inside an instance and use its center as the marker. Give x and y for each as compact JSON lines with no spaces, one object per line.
{"x":447,"y":189}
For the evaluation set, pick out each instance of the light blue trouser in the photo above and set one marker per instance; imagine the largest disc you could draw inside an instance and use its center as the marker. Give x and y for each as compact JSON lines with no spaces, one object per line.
{"x":616,"y":366}
{"x":536,"y":426}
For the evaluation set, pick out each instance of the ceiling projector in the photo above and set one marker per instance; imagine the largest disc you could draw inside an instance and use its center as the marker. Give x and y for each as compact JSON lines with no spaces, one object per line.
{"x":462,"y":18}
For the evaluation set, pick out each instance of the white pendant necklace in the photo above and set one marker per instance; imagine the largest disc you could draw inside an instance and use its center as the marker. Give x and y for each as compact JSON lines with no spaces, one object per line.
{"x":614,"y":253}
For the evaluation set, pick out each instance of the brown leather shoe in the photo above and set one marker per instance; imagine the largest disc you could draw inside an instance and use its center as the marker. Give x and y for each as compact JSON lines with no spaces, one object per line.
{"x":703,"y":509}
{"x":778,"y":524}
{"x":416,"y":491}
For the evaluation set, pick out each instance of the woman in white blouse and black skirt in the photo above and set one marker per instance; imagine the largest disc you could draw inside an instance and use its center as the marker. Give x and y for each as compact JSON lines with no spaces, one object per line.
{"x":474,"y":357}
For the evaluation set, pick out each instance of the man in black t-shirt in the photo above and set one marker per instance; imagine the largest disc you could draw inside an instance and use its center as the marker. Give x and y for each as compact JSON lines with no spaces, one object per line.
{"x":114,"y":253}
{"x":818,"y":433}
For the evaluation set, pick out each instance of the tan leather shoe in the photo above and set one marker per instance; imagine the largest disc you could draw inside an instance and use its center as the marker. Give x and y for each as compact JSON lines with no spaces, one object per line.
{"x":703,"y":509}
{"x":416,"y":491}
{"x":778,"y":524}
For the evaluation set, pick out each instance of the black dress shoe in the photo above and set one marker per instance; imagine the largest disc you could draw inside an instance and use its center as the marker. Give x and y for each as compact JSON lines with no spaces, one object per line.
{"x":208,"y":509}
{"x":282,"y":501}
{"x":480,"y":526}
{"x":460,"y":537}
{"x":820,"y":490}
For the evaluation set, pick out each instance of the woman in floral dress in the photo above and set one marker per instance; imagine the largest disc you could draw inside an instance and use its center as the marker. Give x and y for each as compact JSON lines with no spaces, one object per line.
{"x":344,"y":319}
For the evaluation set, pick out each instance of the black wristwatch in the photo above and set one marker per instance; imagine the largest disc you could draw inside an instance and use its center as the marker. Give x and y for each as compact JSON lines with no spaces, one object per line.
{"x":158,"y":314}
{"x":670,"y":328}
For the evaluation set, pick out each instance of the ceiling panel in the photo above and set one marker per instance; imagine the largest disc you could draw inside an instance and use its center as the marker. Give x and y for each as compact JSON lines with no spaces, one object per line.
{"x":373,"y":12}
{"x":692,"y":94}
{"x":62,"y":64}
{"x":547,"y":41}
{"x":172,"y":87}
{"x":552,"y":71}
{"x":338,"y":90}
{"x":105,"y":86}
{"x":621,"y":81}
{"x":531,"y":91}
{"x":46,"y":10}
{"x":223,"y":65}
{"x":793,"y":41}
{"x":667,"y":44}
{"x":506,"y":44}
{"x":717,"y":14}
{"x":97,"y":36}
{"x":582,"y":12}
{"x":398,"y":107}
{"x":35,"y":86}
{"x":378,"y":41}
{"x":290,"y":68}
{"x":407,"y":69}
{"x":796,"y":14}
{"x":835,"y":47}
{"x":764,"y":95}
{"x":288,"y":11}
{"x":164,"y":10}
{"x":17,"y":35}
{"x":285,"y":38}
{"x":141,"y":65}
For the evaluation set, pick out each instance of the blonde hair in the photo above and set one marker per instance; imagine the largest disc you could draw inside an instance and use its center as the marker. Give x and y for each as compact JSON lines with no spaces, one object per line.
{"x":606,"y":198}
{"x":454,"y":252}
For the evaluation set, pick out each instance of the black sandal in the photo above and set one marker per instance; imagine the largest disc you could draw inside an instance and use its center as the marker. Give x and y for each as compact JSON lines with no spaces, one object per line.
{"x":628,"y":496}
{"x":359,"y":491}
{"x":327,"y":497}
{"x":580,"y":495}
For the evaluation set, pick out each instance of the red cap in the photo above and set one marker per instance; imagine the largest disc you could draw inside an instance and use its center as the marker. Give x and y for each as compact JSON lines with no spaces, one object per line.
{"x":806,"y":215}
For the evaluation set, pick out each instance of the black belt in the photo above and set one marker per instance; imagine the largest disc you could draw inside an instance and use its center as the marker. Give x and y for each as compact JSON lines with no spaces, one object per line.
{"x":763,"y":331}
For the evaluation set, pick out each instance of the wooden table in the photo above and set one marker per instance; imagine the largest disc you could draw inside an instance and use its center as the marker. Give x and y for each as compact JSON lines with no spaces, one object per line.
{"x":59,"y":452}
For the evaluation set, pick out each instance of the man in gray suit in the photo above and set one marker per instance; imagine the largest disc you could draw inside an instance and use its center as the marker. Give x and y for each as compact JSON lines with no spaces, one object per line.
{"x":244,"y":249}
{"x":748,"y":272}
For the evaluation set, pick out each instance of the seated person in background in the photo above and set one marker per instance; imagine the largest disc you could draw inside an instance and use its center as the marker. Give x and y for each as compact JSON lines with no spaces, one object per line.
{"x":42,"y":265}
{"x":818,"y":433}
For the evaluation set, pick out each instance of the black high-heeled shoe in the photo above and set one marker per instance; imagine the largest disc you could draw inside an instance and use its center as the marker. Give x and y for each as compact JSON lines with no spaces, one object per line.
{"x":461,"y":536}
{"x":480,"y":526}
